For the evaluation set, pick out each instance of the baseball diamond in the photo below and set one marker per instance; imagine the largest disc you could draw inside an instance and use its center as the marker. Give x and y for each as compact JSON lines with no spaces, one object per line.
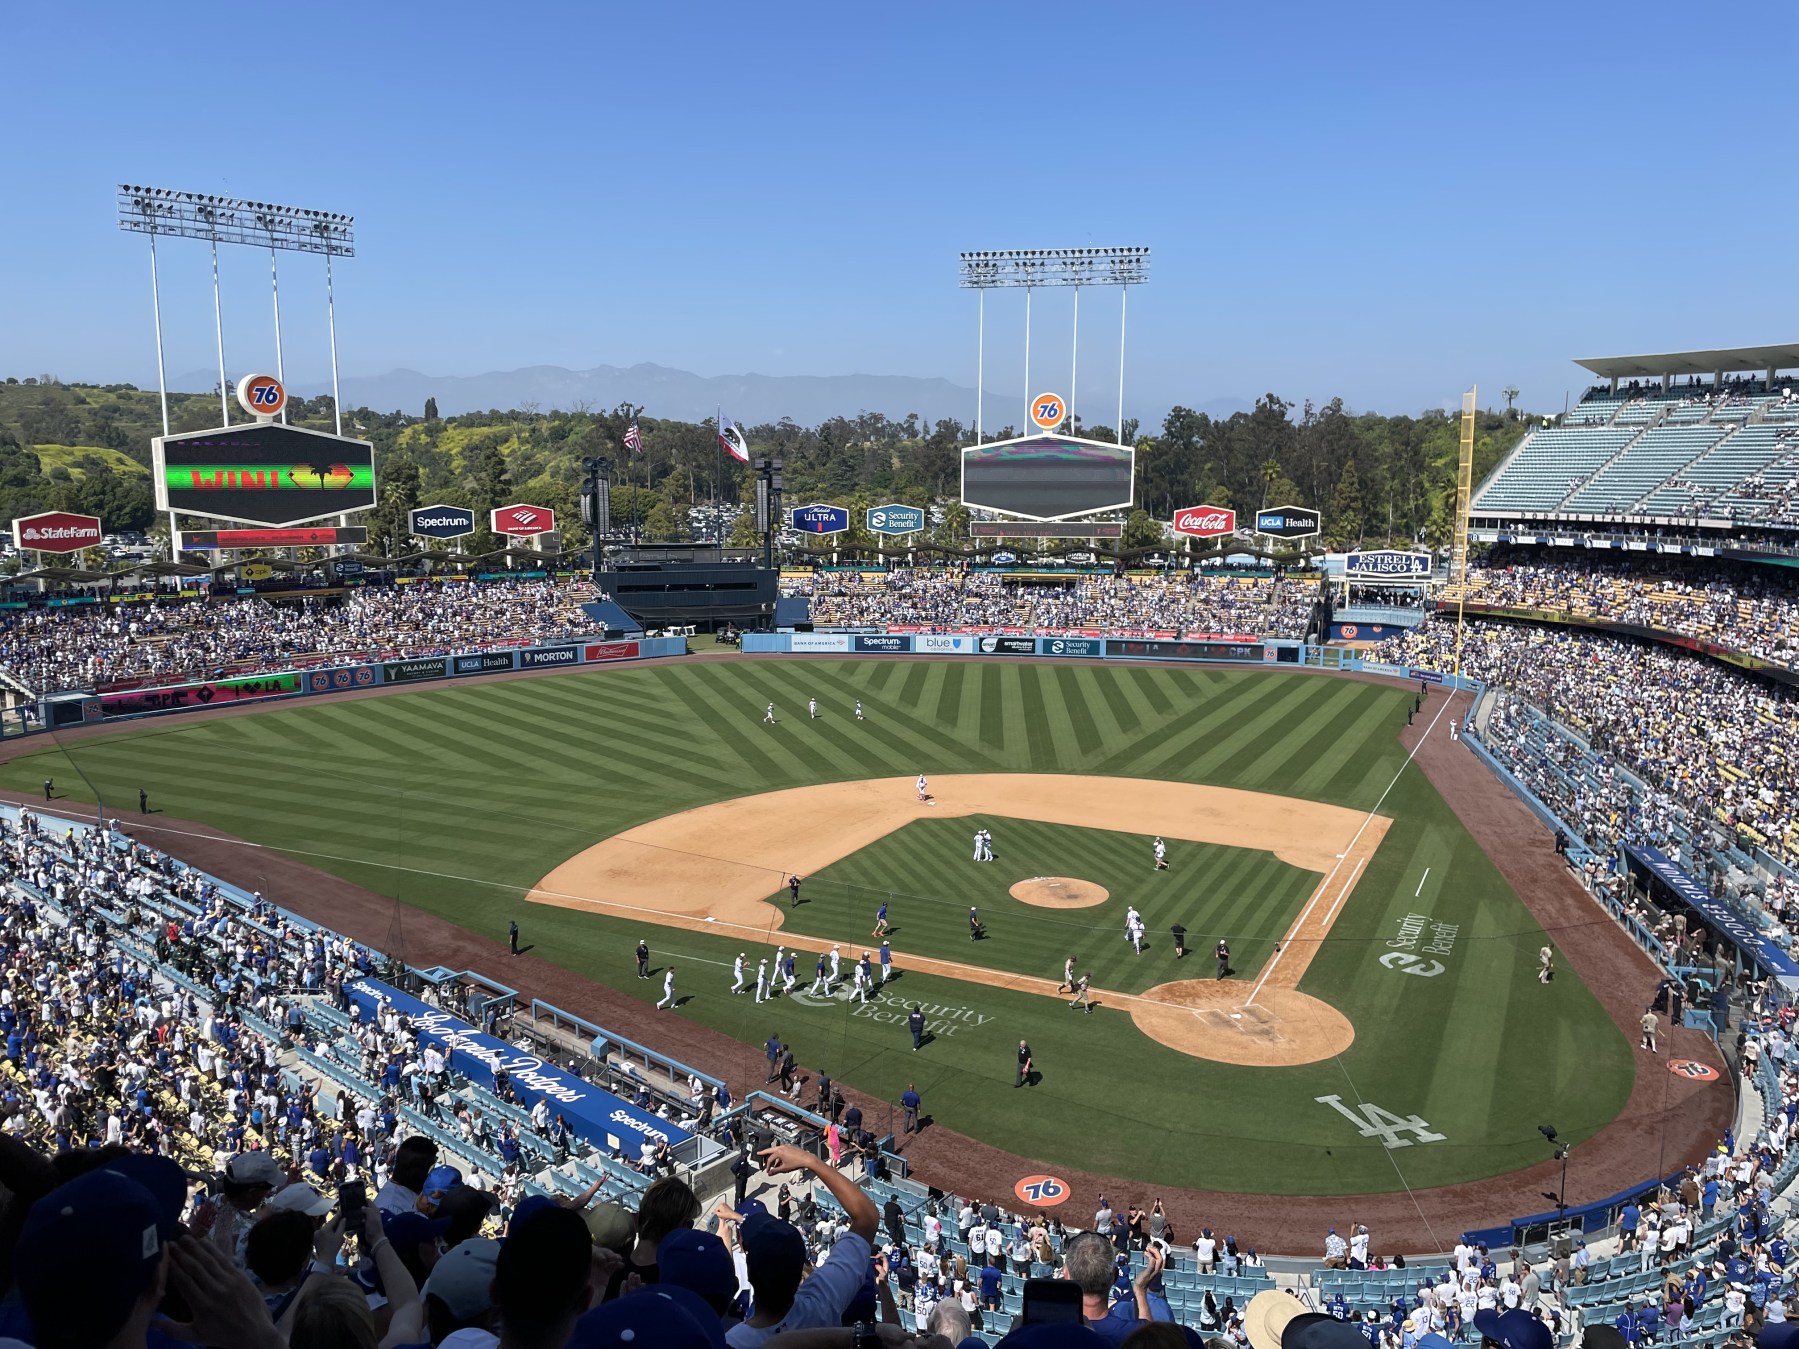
{"x":1303,"y":827}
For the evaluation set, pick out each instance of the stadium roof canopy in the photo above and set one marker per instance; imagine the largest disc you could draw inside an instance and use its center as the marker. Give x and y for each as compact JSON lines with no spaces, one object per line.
{"x":1725,"y":360}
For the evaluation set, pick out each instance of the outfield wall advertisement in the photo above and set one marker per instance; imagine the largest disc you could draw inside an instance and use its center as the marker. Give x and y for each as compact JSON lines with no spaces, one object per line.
{"x":347,"y":678}
{"x":1219,"y":647}
{"x":210,"y":693}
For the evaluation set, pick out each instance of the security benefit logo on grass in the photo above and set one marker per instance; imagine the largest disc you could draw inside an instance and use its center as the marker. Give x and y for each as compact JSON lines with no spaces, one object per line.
{"x":1420,"y":940}
{"x":893,"y":1009}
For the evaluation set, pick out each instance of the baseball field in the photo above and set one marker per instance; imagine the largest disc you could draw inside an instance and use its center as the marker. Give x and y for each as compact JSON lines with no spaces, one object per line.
{"x":1382,"y":1028}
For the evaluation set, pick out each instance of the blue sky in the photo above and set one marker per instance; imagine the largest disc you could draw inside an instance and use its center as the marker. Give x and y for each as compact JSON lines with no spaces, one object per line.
{"x":1385,"y":203}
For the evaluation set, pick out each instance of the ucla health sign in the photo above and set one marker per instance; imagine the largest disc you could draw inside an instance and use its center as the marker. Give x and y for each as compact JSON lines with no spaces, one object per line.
{"x":895,"y":520}
{"x":821,"y":519}
{"x":1387,"y":564}
{"x":595,"y":1115}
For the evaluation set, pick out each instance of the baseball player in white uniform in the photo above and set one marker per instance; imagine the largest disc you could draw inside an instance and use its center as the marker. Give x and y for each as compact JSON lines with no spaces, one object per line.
{"x":978,"y":840}
{"x":836,"y":958}
{"x":737,"y":974}
{"x":762,"y":980}
{"x":768,"y":717}
{"x":812,"y":708}
{"x":1161,"y":851}
{"x":1132,"y":919}
{"x":924,"y":785}
{"x":1067,"y":976}
{"x":668,"y":989}
{"x":860,"y":990}
{"x":858,"y":709}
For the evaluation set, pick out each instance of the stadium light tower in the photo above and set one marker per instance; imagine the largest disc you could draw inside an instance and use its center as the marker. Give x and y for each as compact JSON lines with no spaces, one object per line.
{"x":232,"y":220}
{"x":1032,"y":267}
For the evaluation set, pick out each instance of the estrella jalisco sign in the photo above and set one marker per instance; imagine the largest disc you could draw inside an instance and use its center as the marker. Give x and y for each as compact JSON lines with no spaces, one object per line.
{"x":1387,"y":564}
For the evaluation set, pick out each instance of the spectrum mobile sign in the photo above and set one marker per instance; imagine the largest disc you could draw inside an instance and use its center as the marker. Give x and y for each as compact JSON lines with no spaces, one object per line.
{"x":267,"y":474}
{"x":441,"y":522}
{"x":56,"y":532}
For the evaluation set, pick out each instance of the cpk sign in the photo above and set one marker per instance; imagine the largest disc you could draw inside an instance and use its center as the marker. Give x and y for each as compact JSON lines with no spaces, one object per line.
{"x":56,"y":532}
{"x":522,"y":522}
{"x":1205,"y":522}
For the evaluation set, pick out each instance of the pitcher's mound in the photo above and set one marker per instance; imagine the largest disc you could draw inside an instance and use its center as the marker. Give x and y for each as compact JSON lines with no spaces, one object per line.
{"x":1207,"y":1018}
{"x":1060,"y":892}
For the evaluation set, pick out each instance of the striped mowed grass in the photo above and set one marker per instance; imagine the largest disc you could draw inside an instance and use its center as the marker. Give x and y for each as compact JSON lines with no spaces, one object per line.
{"x":456,"y":797}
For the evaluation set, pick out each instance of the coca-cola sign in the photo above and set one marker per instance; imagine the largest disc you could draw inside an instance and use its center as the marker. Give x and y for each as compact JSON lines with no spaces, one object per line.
{"x":1205,"y":522}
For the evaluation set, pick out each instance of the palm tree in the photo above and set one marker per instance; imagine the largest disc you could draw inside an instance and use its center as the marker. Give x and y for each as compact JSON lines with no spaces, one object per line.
{"x":1511,"y":396}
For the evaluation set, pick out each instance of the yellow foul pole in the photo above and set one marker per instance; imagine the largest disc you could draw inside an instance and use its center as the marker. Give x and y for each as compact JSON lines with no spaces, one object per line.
{"x":1464,"y":484}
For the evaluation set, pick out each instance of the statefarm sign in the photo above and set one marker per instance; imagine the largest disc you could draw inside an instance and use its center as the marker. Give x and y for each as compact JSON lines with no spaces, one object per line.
{"x":1205,"y":522}
{"x":56,"y":532}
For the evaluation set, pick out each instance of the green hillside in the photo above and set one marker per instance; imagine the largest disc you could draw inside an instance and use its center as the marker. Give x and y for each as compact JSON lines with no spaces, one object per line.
{"x":1375,"y":477}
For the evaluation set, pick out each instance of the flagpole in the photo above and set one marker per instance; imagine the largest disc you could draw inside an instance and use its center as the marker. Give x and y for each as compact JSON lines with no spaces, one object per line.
{"x":718,"y":467}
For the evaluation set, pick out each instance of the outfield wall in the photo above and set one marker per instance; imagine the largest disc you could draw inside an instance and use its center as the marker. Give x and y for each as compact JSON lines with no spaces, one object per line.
{"x":275,"y":686}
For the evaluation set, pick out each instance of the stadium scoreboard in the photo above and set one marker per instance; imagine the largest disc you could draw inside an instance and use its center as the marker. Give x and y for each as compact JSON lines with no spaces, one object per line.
{"x":1048,"y":477}
{"x":264,"y":474}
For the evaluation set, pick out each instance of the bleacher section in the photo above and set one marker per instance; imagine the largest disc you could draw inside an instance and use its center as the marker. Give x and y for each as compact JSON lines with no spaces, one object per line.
{"x":1537,"y":475}
{"x":1689,"y":452}
{"x":1652,"y":458}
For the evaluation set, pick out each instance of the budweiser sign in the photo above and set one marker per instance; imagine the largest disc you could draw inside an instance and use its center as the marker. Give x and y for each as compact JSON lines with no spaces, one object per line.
{"x":1205,"y":522}
{"x":56,"y":532}
{"x":522,"y":521}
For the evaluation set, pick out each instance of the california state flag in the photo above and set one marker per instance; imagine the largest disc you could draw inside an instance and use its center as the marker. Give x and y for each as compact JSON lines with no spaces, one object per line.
{"x":732,"y":439}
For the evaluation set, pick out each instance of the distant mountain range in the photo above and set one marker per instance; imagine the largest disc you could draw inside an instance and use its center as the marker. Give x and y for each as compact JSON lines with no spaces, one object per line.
{"x":684,"y":396}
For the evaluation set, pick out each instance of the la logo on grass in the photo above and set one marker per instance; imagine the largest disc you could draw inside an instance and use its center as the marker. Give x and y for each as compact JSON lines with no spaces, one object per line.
{"x":1374,"y":1122}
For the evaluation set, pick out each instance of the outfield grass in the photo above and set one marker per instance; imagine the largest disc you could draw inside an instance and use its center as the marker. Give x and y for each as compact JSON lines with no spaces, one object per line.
{"x":929,"y":877}
{"x":456,"y":797}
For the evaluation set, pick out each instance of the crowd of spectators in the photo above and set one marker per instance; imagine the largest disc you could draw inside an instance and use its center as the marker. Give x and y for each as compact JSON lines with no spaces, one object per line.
{"x":1706,"y":740}
{"x":89,"y":645}
{"x":948,"y":598}
{"x":1750,"y":610}
{"x":153,"y":1124}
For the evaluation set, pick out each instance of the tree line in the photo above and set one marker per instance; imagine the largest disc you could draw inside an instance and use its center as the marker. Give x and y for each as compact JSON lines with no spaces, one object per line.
{"x":1376,"y":478}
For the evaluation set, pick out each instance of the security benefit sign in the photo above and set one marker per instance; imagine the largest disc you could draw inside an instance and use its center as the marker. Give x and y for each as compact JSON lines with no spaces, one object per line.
{"x":266,"y":474}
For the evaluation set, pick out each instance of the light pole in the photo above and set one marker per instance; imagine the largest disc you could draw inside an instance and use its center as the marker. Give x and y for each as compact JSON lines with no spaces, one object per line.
{"x":596,"y":506}
{"x":769,"y":484}
{"x":1028,"y":268}
{"x":1561,"y":1154}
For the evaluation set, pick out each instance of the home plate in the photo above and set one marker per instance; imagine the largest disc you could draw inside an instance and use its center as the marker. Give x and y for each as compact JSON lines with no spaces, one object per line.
{"x":1236,"y":1016}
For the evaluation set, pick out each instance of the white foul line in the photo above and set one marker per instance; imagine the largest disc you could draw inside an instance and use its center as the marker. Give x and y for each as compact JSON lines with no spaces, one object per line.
{"x":1287,"y":941}
{"x":1421,"y":880}
{"x":1347,"y":887}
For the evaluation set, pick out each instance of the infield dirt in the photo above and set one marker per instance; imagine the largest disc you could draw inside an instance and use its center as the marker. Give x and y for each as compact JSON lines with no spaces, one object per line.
{"x":714,"y":868}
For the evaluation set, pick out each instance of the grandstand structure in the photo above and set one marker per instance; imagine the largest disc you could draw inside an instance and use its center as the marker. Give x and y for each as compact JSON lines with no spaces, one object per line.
{"x":1704,"y":441}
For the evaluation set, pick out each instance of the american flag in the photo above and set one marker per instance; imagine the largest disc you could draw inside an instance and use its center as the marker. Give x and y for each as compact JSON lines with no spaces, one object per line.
{"x":633,"y":438}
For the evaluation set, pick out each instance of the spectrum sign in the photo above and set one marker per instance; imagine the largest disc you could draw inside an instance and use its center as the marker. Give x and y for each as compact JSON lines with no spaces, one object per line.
{"x":441,"y":522}
{"x":267,"y":474}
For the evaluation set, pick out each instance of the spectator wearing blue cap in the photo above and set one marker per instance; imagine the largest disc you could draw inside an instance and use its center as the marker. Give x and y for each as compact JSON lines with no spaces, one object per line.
{"x":651,"y":1318}
{"x":543,"y":1278}
{"x":775,"y":1258}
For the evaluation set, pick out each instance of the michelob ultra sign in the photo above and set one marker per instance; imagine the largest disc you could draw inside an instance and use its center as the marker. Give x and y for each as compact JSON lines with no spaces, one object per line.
{"x":267,"y":474}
